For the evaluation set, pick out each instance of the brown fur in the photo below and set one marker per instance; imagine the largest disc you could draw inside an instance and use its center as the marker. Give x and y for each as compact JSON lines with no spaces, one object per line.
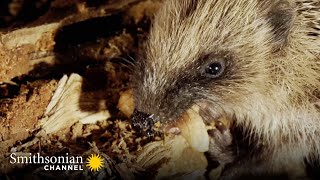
{"x":272,"y":82}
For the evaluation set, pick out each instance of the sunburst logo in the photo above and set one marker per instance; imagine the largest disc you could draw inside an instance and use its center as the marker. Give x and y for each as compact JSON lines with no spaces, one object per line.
{"x":94,"y":162}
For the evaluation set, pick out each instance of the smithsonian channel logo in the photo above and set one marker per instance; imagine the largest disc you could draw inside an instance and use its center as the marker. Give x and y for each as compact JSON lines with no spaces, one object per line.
{"x":94,"y":162}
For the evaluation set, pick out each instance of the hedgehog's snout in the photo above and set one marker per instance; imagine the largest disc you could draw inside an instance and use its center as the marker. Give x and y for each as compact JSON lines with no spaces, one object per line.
{"x":143,"y":122}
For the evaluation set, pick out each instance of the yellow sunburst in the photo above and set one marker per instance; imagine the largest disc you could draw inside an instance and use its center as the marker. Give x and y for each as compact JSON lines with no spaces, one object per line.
{"x":94,"y":162}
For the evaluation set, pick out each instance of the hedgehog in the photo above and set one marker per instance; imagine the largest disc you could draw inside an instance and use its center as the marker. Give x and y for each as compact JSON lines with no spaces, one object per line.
{"x":256,"y":62}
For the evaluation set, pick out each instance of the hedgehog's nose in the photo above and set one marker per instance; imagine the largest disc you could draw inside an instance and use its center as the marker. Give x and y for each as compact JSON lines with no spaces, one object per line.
{"x":142,"y":122}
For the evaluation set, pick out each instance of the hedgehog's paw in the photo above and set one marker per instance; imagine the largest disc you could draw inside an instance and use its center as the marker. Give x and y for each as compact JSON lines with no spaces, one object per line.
{"x":220,"y":148}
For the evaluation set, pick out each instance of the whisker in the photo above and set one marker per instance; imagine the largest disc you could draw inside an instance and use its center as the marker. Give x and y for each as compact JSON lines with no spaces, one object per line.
{"x":124,"y":63}
{"x":129,"y":61}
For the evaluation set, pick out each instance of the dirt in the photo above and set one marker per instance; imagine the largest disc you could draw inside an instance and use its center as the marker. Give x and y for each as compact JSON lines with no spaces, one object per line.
{"x":20,"y":114}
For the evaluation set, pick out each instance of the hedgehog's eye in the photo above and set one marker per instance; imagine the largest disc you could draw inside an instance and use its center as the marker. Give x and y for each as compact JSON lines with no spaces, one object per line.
{"x":214,"y":69}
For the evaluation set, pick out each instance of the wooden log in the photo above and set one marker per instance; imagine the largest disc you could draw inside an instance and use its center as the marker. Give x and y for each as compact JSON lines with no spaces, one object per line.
{"x":22,"y":49}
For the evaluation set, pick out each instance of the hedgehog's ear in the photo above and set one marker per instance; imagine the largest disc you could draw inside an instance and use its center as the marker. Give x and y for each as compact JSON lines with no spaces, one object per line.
{"x":281,"y":19}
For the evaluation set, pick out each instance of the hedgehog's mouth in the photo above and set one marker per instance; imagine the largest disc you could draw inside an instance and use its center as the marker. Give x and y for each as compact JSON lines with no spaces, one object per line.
{"x":197,"y":129}
{"x":146,"y":124}
{"x":202,"y":113}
